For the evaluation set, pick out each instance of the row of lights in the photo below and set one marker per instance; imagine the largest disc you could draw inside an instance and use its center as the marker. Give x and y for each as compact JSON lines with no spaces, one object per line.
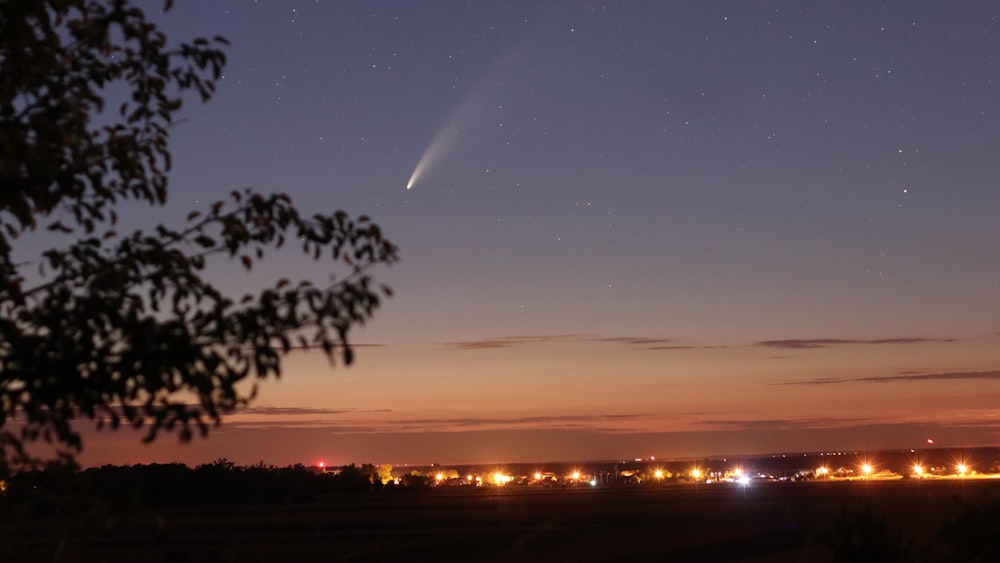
{"x":867,"y":469}
{"x":961,"y":470}
{"x":499,"y":478}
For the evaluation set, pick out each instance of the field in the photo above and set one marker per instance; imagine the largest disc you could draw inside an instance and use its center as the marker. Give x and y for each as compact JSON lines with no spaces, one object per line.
{"x":768,"y":521}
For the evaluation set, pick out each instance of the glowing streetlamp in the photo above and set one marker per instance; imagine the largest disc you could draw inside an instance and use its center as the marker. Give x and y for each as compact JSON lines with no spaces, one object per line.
{"x":658,"y":474}
{"x":867,"y":470}
{"x":918,"y":470}
{"x":962,"y":469}
{"x":696,"y":473}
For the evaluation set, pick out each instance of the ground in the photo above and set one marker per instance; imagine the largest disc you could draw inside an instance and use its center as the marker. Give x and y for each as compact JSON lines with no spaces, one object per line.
{"x":769,"y":521}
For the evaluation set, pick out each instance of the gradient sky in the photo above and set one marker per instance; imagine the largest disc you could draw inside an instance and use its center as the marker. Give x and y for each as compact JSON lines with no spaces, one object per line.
{"x":640,"y":228}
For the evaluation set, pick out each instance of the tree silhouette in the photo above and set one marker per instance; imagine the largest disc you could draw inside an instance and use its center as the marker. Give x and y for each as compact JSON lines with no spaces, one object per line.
{"x":124,"y":327}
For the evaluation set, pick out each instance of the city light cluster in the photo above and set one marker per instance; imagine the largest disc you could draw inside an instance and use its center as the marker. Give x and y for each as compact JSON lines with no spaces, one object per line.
{"x":648,"y":472}
{"x":867,"y":469}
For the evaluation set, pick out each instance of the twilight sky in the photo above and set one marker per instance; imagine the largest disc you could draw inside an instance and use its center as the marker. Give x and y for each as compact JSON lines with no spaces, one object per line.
{"x":667,"y":228}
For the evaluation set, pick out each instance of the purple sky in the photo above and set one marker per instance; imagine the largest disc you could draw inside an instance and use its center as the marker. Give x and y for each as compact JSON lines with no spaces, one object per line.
{"x":668,"y":228}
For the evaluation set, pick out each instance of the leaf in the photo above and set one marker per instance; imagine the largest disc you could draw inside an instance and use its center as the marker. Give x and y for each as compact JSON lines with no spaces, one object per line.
{"x":204,"y":241}
{"x":58,"y":226}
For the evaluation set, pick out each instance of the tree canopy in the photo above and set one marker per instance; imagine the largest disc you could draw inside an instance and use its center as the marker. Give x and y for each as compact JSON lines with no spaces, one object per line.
{"x":124,"y":327}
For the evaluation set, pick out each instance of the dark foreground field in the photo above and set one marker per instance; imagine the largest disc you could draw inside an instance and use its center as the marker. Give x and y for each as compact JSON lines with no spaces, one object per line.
{"x":719,"y":522}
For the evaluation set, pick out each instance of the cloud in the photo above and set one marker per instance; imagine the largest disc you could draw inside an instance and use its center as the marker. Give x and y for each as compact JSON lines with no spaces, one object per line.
{"x":465,"y":424}
{"x":293,"y":417}
{"x":641,"y":342}
{"x":659,"y":343}
{"x":903,"y":377}
{"x":336,"y":346}
{"x":851,"y":426}
{"x":325,"y":425}
{"x":806,"y":344}
{"x":540,"y":421}
{"x":290,"y":411}
{"x":768,"y":425}
{"x":511,"y":341}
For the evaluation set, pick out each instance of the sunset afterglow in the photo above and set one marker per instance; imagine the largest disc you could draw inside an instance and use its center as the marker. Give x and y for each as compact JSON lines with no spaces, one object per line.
{"x":647,"y":228}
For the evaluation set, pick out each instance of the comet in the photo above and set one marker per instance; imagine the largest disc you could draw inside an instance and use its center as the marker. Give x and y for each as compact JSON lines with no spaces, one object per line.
{"x":474,"y":110}
{"x":457,"y":122}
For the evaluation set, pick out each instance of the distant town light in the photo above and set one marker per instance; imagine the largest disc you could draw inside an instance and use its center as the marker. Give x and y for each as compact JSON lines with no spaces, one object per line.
{"x":658,"y":474}
{"x":866,"y":469}
{"x":962,"y":469}
{"x":696,"y":473}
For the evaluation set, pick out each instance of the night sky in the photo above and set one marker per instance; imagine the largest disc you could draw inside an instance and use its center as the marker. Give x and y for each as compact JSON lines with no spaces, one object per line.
{"x":634,"y":228}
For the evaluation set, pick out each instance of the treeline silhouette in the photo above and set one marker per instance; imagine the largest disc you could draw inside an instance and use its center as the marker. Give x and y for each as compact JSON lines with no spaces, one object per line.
{"x":59,"y":488}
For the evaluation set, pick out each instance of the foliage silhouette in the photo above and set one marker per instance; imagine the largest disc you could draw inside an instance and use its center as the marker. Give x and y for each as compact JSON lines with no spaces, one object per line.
{"x":59,"y":489}
{"x":124,"y":327}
